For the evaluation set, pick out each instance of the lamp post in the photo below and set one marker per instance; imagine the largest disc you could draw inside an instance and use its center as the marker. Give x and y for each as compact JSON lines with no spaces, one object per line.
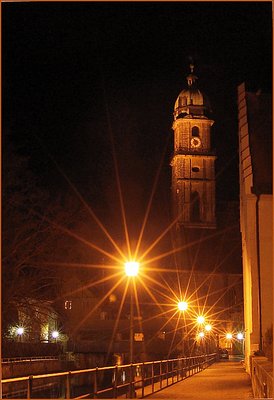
{"x":240,"y":337}
{"x":208,"y":328}
{"x":20,"y":332}
{"x":55,"y":335}
{"x":131,"y":270}
{"x":183,"y":306}
{"x":200,"y":321}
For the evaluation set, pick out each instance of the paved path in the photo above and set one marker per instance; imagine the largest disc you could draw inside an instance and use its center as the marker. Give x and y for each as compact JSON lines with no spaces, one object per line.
{"x":226,"y":379}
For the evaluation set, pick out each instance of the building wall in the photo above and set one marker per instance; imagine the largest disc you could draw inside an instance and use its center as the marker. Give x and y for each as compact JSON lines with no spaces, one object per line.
{"x":256,"y":219}
{"x":266,"y":259}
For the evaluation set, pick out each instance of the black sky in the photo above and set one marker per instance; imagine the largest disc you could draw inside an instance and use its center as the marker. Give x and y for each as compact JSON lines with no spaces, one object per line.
{"x":75,"y":72}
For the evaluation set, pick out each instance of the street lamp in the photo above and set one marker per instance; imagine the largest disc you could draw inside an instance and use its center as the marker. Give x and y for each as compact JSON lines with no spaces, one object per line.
{"x":200,"y":319}
{"x":183,"y":306}
{"x":240,"y":337}
{"x":131,"y":270}
{"x":20,"y":331}
{"x":55,"y":335}
{"x":208,"y":328}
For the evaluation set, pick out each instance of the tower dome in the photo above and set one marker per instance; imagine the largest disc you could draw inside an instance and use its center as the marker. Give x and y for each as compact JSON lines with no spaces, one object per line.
{"x":191,"y":101}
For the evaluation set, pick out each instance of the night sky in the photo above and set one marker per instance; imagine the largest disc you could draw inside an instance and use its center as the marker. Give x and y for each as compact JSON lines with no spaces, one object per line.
{"x":78,"y":77}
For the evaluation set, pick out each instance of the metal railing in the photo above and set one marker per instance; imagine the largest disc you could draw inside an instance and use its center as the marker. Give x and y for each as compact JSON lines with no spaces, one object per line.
{"x":130,"y":380}
{"x":23,"y":359}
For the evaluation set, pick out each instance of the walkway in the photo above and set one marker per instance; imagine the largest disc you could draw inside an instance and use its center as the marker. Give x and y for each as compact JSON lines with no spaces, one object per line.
{"x":226,"y":379}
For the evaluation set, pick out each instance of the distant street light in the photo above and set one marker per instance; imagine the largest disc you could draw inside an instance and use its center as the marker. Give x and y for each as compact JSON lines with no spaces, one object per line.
{"x":240,"y":337}
{"x":200,"y":319}
{"x":55,"y":334}
{"x":20,"y":331}
{"x":229,"y":336}
{"x":201,"y":334}
{"x":208,"y":327}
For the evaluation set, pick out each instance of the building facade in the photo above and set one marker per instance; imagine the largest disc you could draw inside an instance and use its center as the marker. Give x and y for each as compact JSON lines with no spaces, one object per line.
{"x":256,"y":215}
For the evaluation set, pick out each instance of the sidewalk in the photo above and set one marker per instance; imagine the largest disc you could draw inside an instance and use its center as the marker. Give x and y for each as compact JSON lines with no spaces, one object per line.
{"x":226,"y":379}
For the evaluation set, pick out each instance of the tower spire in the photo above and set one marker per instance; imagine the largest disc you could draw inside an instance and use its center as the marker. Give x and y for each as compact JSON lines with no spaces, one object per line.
{"x":191,"y":78}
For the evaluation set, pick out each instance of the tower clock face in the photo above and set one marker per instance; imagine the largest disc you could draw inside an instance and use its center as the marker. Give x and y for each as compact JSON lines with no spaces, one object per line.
{"x":195,"y":142}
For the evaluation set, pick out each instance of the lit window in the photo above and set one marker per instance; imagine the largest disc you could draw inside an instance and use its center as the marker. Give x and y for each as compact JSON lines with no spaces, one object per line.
{"x":68,"y":304}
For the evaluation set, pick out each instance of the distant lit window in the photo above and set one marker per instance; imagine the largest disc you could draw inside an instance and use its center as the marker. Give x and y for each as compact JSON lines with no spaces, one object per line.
{"x":195,"y":169}
{"x":195,"y":131}
{"x":68,"y":304}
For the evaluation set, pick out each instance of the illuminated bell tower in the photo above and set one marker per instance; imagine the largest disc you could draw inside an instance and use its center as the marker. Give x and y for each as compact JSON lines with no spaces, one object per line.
{"x":193,"y":172}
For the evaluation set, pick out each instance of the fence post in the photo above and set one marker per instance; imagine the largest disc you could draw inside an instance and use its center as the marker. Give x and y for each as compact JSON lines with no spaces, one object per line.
{"x":68,"y":387}
{"x":167,"y":372}
{"x":161,"y":372}
{"x":152,"y":377}
{"x":131,"y":384}
{"x":115,"y":382}
{"x":95,"y":384}
{"x":29,"y":390}
{"x":143,"y":379}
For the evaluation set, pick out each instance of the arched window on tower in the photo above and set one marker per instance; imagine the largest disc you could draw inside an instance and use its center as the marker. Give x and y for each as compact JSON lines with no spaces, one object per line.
{"x":195,"y":207}
{"x":195,"y":131}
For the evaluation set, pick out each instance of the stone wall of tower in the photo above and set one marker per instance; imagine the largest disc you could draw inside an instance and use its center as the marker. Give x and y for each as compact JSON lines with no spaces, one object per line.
{"x":183,"y":133}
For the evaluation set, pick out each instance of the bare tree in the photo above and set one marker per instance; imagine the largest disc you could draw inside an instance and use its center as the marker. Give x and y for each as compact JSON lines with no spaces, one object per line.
{"x":30,"y":240}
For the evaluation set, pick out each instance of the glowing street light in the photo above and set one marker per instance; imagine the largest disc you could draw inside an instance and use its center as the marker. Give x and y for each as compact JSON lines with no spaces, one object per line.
{"x":20,"y":331}
{"x":55,"y":334}
{"x":229,"y":336}
{"x":201,"y":334}
{"x":132,"y":268}
{"x":182,"y":305}
{"x":240,"y":336}
{"x":200,"y":319}
{"x":208,"y":327}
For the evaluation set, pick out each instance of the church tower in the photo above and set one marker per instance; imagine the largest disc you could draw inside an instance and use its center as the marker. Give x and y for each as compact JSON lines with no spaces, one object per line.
{"x":193,"y":172}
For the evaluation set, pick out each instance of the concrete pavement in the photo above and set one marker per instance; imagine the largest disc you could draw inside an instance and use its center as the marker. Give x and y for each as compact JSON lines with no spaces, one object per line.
{"x":225,"y":379}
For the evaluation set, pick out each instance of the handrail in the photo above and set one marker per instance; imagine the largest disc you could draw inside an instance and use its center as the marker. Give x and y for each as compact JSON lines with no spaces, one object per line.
{"x":22,"y":359}
{"x":152,"y":375}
